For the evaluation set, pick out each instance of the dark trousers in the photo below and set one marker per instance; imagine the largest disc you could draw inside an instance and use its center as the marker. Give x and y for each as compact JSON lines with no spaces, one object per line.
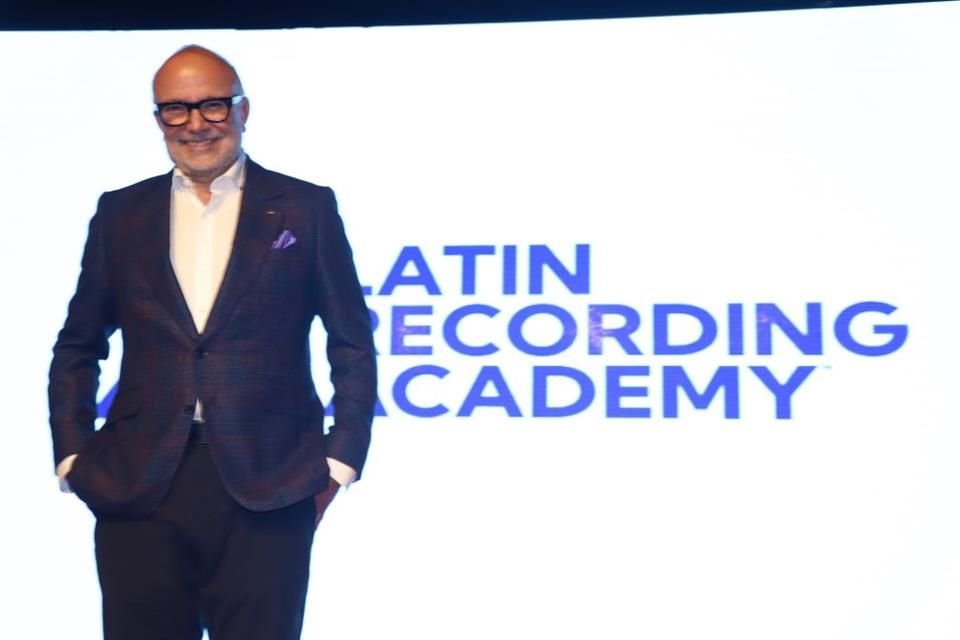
{"x":201,"y":561}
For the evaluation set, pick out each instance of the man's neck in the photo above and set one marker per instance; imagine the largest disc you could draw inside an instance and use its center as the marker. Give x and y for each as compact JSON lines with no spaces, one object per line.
{"x":202,"y":189}
{"x":201,"y":184}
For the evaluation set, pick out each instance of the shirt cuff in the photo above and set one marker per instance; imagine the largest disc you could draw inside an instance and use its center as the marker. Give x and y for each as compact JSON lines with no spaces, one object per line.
{"x":64,"y":467}
{"x":342,"y":473}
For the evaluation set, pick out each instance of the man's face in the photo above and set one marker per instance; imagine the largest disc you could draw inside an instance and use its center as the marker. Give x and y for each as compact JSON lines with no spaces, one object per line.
{"x":202,"y":150}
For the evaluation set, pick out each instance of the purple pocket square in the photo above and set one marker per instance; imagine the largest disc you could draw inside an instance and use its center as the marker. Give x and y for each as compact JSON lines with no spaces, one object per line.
{"x":284,"y":240}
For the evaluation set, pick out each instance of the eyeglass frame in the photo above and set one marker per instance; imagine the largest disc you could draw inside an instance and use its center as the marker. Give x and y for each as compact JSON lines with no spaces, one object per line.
{"x":230,"y":101}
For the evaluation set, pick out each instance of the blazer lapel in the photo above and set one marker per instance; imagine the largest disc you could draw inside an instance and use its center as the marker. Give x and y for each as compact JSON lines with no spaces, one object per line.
{"x":155,"y":257}
{"x":257,"y":227}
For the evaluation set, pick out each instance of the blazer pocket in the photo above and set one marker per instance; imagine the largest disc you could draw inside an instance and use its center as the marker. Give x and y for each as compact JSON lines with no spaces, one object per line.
{"x":125,"y":404}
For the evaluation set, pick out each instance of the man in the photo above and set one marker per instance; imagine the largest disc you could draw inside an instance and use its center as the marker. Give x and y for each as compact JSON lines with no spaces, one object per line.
{"x":212,"y":468}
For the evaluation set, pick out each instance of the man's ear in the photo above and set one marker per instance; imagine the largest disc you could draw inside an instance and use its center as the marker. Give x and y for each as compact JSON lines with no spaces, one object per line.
{"x":244,"y":113}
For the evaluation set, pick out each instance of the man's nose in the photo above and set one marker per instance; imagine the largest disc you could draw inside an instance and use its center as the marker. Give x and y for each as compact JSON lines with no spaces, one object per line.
{"x":195,"y":121}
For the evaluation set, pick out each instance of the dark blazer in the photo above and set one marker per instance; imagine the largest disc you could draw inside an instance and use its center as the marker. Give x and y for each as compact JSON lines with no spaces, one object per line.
{"x":250,"y":367}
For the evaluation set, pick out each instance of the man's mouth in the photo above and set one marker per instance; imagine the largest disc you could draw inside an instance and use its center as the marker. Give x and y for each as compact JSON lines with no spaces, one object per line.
{"x":199,"y":144}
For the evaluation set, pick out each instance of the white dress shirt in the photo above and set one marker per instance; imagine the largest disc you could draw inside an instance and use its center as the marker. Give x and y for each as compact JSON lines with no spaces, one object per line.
{"x":201,"y":240}
{"x":201,"y":237}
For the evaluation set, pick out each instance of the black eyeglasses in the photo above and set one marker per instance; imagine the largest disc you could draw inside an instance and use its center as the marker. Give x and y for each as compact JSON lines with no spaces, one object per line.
{"x":175,"y":114}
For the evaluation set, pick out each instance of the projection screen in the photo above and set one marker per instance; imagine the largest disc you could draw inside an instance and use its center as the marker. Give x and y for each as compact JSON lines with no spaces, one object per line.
{"x":663,"y":310}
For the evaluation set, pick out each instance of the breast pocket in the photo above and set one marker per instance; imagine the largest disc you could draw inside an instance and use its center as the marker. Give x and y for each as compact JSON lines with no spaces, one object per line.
{"x":284,"y":283}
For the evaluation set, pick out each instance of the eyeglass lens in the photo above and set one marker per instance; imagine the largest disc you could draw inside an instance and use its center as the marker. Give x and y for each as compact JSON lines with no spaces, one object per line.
{"x":211,"y":110}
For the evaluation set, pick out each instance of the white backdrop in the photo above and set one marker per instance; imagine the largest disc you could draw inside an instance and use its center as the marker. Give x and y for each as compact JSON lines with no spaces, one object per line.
{"x":800,"y":161}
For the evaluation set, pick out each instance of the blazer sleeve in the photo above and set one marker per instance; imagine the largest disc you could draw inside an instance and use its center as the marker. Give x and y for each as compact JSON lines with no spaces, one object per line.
{"x":350,"y":350}
{"x":80,"y":345}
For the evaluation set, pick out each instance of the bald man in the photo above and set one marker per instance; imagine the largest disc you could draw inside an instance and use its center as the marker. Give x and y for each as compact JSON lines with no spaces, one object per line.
{"x":213,"y":467}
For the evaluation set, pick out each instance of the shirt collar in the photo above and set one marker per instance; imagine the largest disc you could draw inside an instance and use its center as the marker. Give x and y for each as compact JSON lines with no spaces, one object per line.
{"x":232,"y":178}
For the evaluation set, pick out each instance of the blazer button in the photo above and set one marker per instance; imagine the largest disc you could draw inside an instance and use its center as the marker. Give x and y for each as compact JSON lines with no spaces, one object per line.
{"x":201,"y":353}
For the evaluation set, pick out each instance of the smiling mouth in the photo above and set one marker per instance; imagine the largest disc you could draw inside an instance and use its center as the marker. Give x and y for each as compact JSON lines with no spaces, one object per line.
{"x":199,"y":144}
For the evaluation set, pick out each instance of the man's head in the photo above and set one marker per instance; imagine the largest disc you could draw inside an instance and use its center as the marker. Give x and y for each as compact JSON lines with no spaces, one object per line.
{"x":201,"y":149}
